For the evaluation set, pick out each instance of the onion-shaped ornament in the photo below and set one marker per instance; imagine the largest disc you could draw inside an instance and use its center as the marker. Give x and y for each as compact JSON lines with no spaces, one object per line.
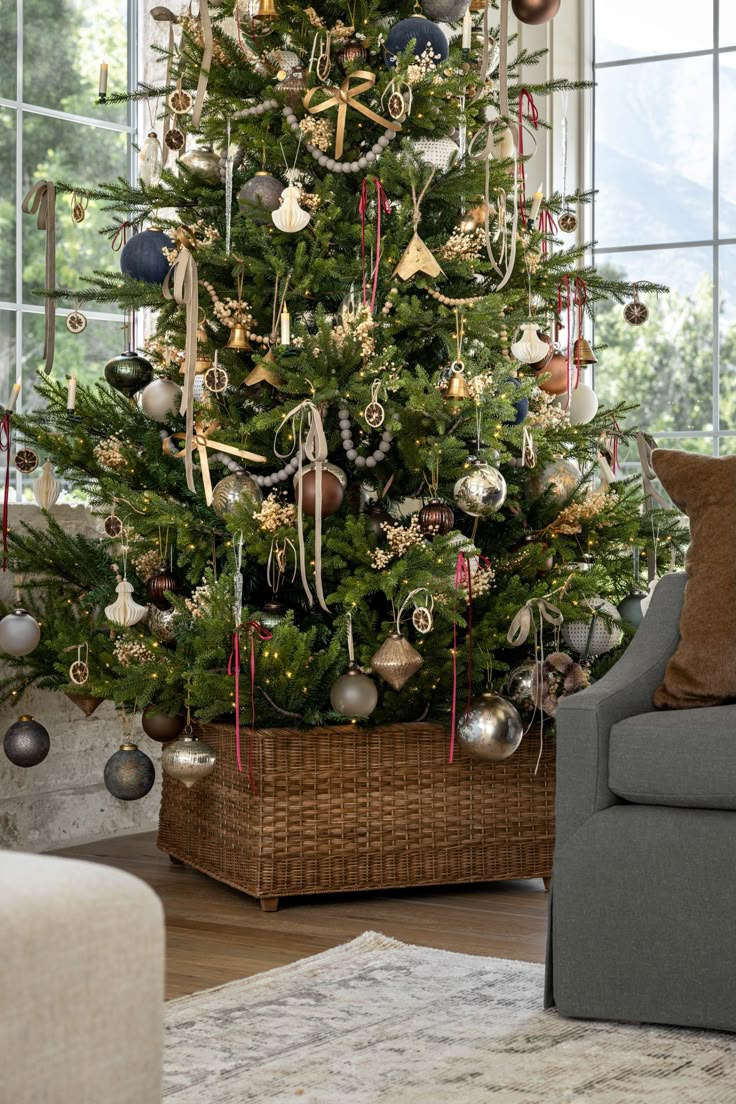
{"x":481,"y":491}
{"x":188,"y":759}
{"x":354,"y":695}
{"x":601,"y":634}
{"x":233,"y":490}
{"x":396,"y":660}
{"x":125,"y":611}
{"x":272,"y":614}
{"x":203,"y":162}
{"x":529,"y":349}
{"x":26,"y":743}
{"x":491,"y":730}
{"x":128,"y":373}
{"x":46,"y":489}
{"x":151,"y":160}
{"x":157,"y":585}
{"x":290,"y":217}
{"x":160,"y":398}
{"x":129,"y":773}
{"x":19,"y":633}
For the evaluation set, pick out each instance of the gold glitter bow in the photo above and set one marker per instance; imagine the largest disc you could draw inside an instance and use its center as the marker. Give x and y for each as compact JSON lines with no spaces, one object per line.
{"x":201,"y":441}
{"x":344,"y":97}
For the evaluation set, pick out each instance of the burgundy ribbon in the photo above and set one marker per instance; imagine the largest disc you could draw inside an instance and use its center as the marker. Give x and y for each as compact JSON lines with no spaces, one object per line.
{"x":6,"y":428}
{"x":463,"y":578}
{"x":547,"y":226}
{"x":383,"y":208}
{"x":120,"y":237}
{"x":255,"y":629}
{"x":532,"y":116}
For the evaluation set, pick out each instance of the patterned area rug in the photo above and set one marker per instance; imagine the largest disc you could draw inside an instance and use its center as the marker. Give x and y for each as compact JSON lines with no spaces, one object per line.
{"x":377,"y":1020}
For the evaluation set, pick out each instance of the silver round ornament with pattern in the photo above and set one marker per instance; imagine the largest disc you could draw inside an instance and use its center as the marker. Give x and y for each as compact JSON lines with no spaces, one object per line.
{"x":492,"y":728}
{"x":601,"y":634}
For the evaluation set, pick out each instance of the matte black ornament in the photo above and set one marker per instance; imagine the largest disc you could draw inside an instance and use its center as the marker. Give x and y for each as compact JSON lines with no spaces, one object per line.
{"x":142,"y":256}
{"x":128,"y":373}
{"x":424,"y":33}
{"x":157,"y":585}
{"x":26,"y":742}
{"x":129,"y":773}
{"x":436,"y":518}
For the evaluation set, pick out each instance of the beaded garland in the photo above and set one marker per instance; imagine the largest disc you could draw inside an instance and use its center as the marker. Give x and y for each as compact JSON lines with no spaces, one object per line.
{"x":330,"y":163}
{"x":349,"y":445}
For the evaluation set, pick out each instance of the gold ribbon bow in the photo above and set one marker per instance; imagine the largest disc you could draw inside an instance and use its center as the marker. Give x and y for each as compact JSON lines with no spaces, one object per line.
{"x":201,"y":441}
{"x":41,"y":201}
{"x":524,"y":621}
{"x":347,"y":96}
{"x":185,"y":292}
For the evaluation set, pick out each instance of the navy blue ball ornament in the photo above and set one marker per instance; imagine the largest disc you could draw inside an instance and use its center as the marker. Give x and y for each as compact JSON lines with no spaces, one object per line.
{"x":521,"y":406}
{"x":424,"y":32}
{"x":142,"y":257}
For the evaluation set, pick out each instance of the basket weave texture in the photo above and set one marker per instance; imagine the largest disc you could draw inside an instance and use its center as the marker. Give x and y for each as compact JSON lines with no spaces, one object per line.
{"x":346,"y":808}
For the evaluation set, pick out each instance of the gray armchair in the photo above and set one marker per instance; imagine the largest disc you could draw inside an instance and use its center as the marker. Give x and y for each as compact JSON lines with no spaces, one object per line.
{"x":643,"y":906}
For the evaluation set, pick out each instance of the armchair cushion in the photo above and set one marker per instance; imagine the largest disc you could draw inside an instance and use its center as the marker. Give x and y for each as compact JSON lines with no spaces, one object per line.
{"x":687,"y":758}
{"x":702,"y":672}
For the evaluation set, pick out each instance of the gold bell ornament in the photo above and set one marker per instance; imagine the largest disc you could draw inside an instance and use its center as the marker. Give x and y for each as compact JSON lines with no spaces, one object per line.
{"x":582,"y":352}
{"x":264,"y":9}
{"x":239,"y":338}
{"x":204,"y":360}
{"x":457,"y":389}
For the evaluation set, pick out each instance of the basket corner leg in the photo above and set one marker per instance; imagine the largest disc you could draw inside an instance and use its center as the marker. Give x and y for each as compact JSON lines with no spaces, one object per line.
{"x":269,"y":904}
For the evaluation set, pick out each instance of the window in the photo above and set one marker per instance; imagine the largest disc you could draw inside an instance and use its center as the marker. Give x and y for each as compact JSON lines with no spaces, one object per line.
{"x":51,"y":127}
{"x":664,"y":165}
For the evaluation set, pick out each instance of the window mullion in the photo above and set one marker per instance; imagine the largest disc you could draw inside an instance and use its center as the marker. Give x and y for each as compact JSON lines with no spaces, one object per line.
{"x":716,"y":230}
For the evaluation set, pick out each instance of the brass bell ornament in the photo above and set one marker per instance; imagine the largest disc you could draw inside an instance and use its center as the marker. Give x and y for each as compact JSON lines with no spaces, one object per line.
{"x":582,"y":352}
{"x":239,"y":339}
{"x":265,"y":10}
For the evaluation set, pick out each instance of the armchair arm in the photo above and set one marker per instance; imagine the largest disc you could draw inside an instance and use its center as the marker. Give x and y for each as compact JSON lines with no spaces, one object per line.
{"x":584,"y":720}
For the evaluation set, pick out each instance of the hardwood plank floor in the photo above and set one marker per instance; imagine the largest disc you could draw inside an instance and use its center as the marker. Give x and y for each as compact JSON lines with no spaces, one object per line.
{"x":215,"y":934}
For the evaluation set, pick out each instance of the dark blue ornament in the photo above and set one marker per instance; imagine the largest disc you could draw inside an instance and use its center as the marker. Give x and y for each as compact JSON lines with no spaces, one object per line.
{"x":423,"y":31}
{"x":521,"y":407}
{"x":142,"y":257}
{"x":129,"y":774}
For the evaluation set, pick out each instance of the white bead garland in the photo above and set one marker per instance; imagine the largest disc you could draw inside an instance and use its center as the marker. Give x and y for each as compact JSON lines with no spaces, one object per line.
{"x":349,"y":445}
{"x":330,"y":163}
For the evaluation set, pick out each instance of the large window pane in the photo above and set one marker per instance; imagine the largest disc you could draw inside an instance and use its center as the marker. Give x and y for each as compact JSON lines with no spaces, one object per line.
{"x":654,"y":152}
{"x":8,"y":49}
{"x":666,"y":365}
{"x":7,"y":356}
{"x":727,"y":145}
{"x":630,"y":28}
{"x":57,"y":150}
{"x":728,"y":337}
{"x":727,"y":24}
{"x":64,"y":42}
{"x":85,"y":354}
{"x":7,"y":203}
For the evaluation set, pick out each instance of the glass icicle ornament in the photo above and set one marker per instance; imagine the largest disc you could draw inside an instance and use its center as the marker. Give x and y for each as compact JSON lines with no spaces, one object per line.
{"x":151,"y":158}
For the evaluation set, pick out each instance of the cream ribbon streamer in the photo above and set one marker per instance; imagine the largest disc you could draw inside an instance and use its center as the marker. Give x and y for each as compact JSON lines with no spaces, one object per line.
{"x":648,"y":475}
{"x":524,"y":622}
{"x":204,"y":72}
{"x":314,"y":446}
{"x":41,"y":201}
{"x":184,"y":290}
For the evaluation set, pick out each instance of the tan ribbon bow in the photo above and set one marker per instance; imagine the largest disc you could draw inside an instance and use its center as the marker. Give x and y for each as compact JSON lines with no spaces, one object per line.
{"x":201,"y":441}
{"x":524,"y":621}
{"x":41,"y":200}
{"x":314,"y":446}
{"x":347,"y":96}
{"x":185,"y":292}
{"x":207,"y":53}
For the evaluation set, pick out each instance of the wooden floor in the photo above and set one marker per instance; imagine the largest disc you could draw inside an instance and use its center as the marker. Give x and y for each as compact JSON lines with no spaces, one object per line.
{"x":215,"y":934}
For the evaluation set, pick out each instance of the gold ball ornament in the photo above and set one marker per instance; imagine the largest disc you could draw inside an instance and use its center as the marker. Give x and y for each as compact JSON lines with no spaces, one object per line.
{"x":396,"y":660}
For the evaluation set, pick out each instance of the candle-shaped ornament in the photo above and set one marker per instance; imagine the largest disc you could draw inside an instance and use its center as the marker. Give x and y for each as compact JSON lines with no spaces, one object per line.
{"x":285,"y":326}
{"x":103,"y":80}
{"x":467,"y":30}
{"x":13,"y":397}
{"x":71,"y":395}
{"x":536,"y":204}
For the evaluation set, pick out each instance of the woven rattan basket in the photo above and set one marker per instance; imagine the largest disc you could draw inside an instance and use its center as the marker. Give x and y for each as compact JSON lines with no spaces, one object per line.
{"x":347,"y":808}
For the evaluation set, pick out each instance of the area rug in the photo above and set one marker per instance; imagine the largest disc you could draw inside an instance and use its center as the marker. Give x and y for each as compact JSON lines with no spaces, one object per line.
{"x":377,"y":1020}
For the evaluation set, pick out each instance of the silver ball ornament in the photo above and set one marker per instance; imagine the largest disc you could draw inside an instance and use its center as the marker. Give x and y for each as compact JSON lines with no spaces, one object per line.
{"x":161,"y":624}
{"x":160,"y":398}
{"x":492,"y":729}
{"x":481,"y":491}
{"x":19,"y":633}
{"x":521,"y":687}
{"x":188,"y":759}
{"x":354,"y":694}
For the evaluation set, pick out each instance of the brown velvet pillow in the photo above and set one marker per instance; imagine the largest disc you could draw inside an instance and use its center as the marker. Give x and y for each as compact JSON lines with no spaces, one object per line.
{"x":703,"y":669}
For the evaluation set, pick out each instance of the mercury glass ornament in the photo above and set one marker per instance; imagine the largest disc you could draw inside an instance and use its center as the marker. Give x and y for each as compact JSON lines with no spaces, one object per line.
{"x":272,"y":614}
{"x":259,"y":197}
{"x":481,"y":491}
{"x":491,"y":730}
{"x":188,"y":759}
{"x":203,"y":162}
{"x":560,"y":479}
{"x":445,"y":11}
{"x":232,"y":490}
{"x":161,"y":624}
{"x":354,"y":694}
{"x":396,"y":660}
{"x":160,"y":398}
{"x":19,"y":633}
{"x":128,"y":373}
{"x":129,"y":773}
{"x":162,"y":727}
{"x":26,"y":742}
{"x":596,"y":636}
{"x":157,"y":585}
{"x":151,"y":159}
{"x":520,"y":686}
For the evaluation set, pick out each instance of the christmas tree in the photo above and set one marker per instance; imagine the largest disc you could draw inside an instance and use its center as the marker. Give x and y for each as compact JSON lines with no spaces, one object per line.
{"x":361,"y":416}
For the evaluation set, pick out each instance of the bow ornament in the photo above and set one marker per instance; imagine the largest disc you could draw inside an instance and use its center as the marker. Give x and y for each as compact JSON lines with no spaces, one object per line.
{"x":201,"y":441}
{"x":524,"y":622}
{"x":347,"y":95}
{"x":41,"y":201}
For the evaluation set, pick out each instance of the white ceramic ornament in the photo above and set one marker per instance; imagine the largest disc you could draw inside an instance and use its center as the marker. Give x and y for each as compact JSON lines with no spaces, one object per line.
{"x":46,"y":489}
{"x":160,"y":398}
{"x":125,"y":611}
{"x":19,"y":633}
{"x":529,"y":349}
{"x":597,"y":636}
{"x":290,"y":217}
{"x":583,"y":405}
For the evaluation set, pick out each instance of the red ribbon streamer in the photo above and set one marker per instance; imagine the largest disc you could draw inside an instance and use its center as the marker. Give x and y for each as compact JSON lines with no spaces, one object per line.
{"x":547,"y":226}
{"x":463,"y":578}
{"x":532,"y":116}
{"x":6,"y":427}
{"x":383,"y":208}
{"x":255,"y":629}
{"x":568,"y":302}
{"x":120,"y":237}
{"x":615,"y":465}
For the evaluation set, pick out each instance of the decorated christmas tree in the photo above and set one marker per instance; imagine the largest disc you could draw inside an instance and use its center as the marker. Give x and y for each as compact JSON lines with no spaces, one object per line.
{"x":355,"y":459}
